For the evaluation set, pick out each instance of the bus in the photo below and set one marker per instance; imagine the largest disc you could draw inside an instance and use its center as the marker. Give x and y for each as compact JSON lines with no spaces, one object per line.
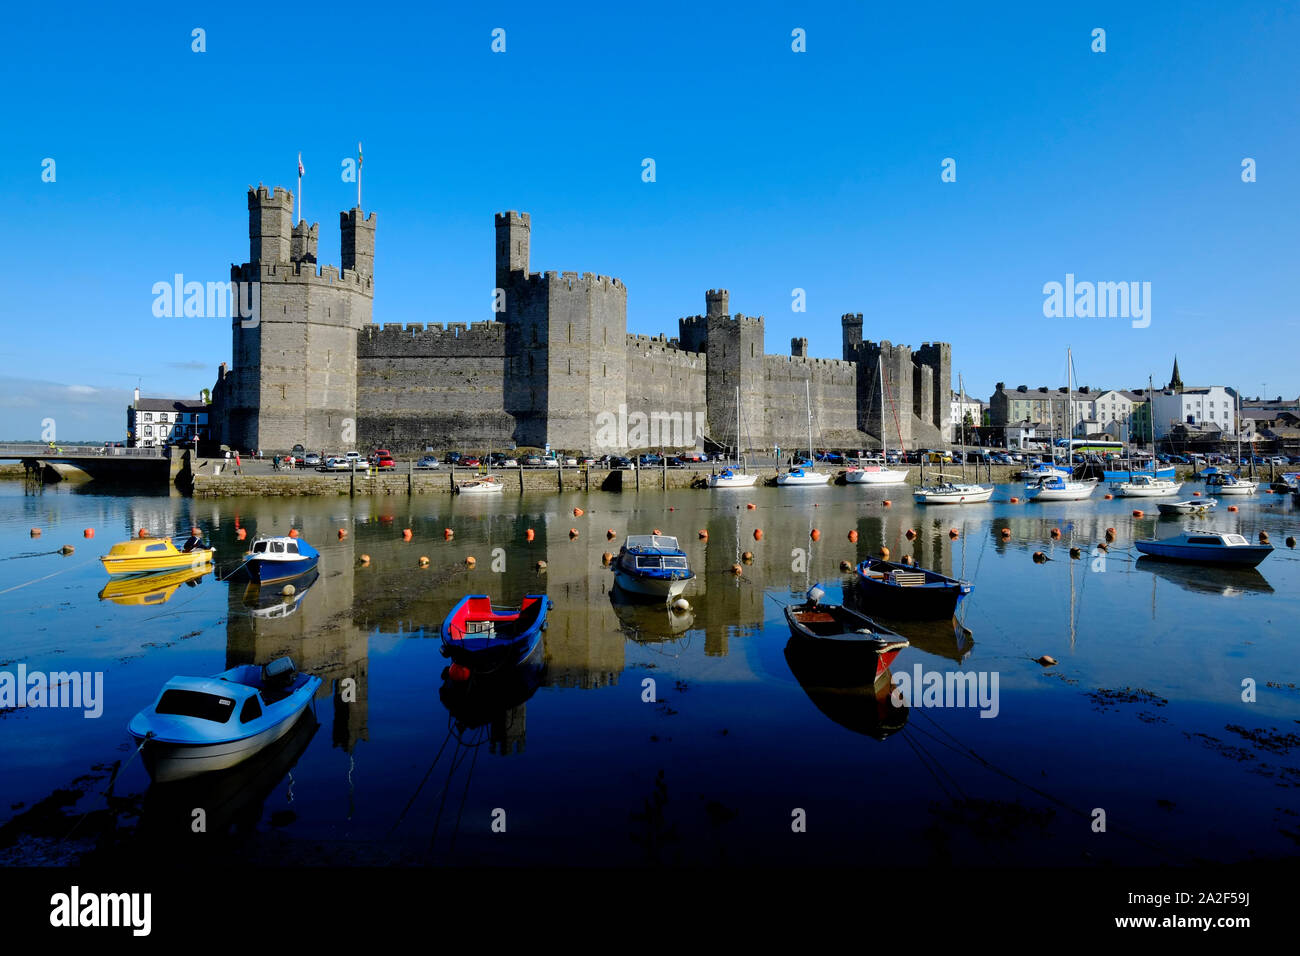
{"x":1089,"y":446}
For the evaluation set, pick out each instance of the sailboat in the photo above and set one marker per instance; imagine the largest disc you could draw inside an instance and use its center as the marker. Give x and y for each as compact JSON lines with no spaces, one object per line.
{"x":800,"y":475}
{"x":1061,"y":487}
{"x":1236,"y":484}
{"x":734,"y":477}
{"x":876,"y":471}
{"x":953,"y":489}
{"x":1142,"y":485}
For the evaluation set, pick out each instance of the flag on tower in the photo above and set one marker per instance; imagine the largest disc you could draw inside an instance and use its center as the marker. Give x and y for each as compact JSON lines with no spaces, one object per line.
{"x":360,"y":158}
{"x":300,"y":169}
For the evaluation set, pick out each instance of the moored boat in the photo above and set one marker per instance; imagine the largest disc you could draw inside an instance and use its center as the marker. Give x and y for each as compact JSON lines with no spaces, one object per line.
{"x":1056,"y":488}
{"x":732,"y":478}
{"x":482,"y":637}
{"x":487,"y":485}
{"x":875,"y":471}
{"x":1206,"y":547}
{"x":802,"y":476}
{"x":1145,"y":486}
{"x":201,"y":724}
{"x":895,"y":590}
{"x":1235,"y":485}
{"x":279,"y":557}
{"x":143,"y":555}
{"x":950,"y":490}
{"x":848,"y":639}
{"x":1192,"y":506}
{"x":652,"y":565}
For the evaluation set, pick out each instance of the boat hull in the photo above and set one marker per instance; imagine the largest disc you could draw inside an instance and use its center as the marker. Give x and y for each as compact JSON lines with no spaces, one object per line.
{"x":267,"y":572}
{"x":1246,"y":556}
{"x":490,"y":654}
{"x":665,"y":589}
{"x":937,"y":599}
{"x":807,"y":480}
{"x":1125,"y":490}
{"x":120,"y":567}
{"x":732,"y":481}
{"x":884,"y":476}
{"x":1243,"y":488}
{"x":1075,"y":491}
{"x":925,"y":497}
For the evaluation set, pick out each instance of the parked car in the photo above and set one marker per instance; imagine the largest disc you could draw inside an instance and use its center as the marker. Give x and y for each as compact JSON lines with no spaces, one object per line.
{"x":509,"y":463}
{"x":428,"y":462}
{"x":311,"y":459}
{"x":533,"y":461}
{"x":550,"y":462}
{"x":617,"y":462}
{"x":384,"y":461}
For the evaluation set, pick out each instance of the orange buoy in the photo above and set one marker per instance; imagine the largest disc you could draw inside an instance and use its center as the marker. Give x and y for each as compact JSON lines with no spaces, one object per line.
{"x":606,"y":558}
{"x":470,"y":561}
{"x":365,"y":559}
{"x":529,"y":535}
{"x":1015,"y":501}
{"x":1039,"y":557}
{"x":884,"y":554}
{"x":1006,"y":532}
{"x":406,"y":534}
{"x":36,"y":532}
{"x":853,"y":535}
{"x":737,"y":570}
{"x":750,"y":506}
{"x":448,"y":534}
{"x":909,"y":560}
{"x":1109,"y":497}
{"x":1196,"y":494}
{"x":953,"y":533}
{"x":1263,"y":537}
{"x":241,"y":534}
{"x":342,"y":534}
{"x":611,"y":534}
{"x":1232,"y":507}
{"x":293,"y":532}
{"x":911,"y":534}
{"x":573,"y":533}
{"x":1055,"y":533}
{"x":458,"y":672}
{"x":1290,"y":542}
{"x":385,"y":519}
{"x":845,"y":566}
{"x":657,"y":531}
{"x":1075,"y":553}
{"x":758,"y":534}
{"x":1110,"y":534}
{"x":886,"y":503}
{"x":815,"y":534}
{"x":578,"y":512}
{"x":704,"y":535}
{"x":424,"y":561}
{"x":748,"y":557}
{"x":67,"y":549}
{"x":1138,"y":512}
{"x":671,"y":508}
{"x":1103,"y":546}
{"x":88,"y":533}
{"x":143,"y":533}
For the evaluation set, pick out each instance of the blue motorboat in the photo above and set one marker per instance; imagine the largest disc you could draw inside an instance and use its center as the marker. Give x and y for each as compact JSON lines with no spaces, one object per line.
{"x":1206,"y":547}
{"x":893,"y":590}
{"x":652,"y":566}
{"x":201,"y":724}
{"x":279,"y":557}
{"x":481,"y":637}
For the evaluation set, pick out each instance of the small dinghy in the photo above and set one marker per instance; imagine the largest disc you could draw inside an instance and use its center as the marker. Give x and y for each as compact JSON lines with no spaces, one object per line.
{"x":1206,"y":547}
{"x":896,"y":590}
{"x":849,"y":640}
{"x":480,"y":637}
{"x":201,"y":724}
{"x":1192,"y":506}
{"x":279,"y":557}
{"x":653,"y":566}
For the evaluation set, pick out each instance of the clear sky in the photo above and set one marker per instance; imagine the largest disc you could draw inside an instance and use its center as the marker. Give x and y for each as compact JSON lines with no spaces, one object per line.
{"x":775,"y":170}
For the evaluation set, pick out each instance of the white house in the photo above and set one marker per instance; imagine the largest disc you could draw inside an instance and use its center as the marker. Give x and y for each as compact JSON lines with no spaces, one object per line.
{"x":153,"y":422}
{"x":959,"y":409}
{"x":1202,"y":405}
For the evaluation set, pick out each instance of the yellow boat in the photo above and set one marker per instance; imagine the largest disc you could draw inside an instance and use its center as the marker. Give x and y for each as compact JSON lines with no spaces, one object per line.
{"x":140,"y":555}
{"x":148,"y":589}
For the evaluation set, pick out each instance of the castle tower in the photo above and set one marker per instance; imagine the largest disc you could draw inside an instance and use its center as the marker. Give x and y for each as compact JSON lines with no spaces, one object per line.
{"x":851,"y":330}
{"x":514,"y":232}
{"x":302,"y":248}
{"x":293,"y":376}
{"x":799,"y":347}
{"x":938,"y":357}
{"x":717,"y":302}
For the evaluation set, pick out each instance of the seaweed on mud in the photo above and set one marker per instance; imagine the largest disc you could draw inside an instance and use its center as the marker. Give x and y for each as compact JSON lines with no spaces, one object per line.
{"x":1104,"y":698}
{"x":993,"y":820}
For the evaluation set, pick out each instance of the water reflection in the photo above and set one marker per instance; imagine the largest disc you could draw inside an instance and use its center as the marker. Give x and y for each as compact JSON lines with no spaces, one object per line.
{"x":1229,"y":582}
{"x":491,"y":708}
{"x":646,"y":622}
{"x":855,"y":700}
{"x":273,"y":601}
{"x":151,"y":589}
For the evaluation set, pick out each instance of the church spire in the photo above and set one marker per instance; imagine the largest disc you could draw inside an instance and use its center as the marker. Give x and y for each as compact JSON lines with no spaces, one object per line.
{"x":1176,"y":381}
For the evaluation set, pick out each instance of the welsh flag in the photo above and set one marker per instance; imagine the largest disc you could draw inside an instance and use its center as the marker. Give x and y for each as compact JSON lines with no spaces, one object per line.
{"x":300,"y":169}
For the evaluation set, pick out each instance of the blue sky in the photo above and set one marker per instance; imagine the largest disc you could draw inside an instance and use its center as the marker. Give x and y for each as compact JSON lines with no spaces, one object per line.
{"x":775,"y":170}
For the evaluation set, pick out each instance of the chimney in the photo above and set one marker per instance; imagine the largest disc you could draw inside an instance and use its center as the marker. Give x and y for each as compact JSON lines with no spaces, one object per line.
{"x":136,"y":402}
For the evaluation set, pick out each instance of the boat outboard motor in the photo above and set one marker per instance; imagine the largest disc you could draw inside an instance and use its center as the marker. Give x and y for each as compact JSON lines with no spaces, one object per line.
{"x":815,"y":595}
{"x":279,"y":673}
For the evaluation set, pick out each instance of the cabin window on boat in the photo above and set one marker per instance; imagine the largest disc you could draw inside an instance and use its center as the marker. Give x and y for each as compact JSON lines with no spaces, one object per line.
{"x":156,"y":547}
{"x":277,"y":547}
{"x":671,"y":562}
{"x":251,"y":710}
{"x":1203,"y":541}
{"x":653,"y":562}
{"x":292,"y":547}
{"x":193,"y":703}
{"x":259,"y":547}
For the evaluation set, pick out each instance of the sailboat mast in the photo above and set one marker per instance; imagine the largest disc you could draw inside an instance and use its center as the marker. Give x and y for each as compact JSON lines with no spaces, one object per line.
{"x":1069,"y":408}
{"x":884,"y":442}
{"x":807,"y":392}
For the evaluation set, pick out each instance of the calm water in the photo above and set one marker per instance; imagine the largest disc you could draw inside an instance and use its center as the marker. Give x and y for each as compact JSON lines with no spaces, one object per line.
{"x":1142,"y":717}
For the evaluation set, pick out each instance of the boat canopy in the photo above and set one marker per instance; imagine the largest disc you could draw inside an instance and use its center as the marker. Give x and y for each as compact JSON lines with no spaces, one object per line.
{"x":652,"y":543}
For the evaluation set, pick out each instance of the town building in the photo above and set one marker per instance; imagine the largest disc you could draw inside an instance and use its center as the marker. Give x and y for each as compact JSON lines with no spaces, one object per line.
{"x":154,"y":422}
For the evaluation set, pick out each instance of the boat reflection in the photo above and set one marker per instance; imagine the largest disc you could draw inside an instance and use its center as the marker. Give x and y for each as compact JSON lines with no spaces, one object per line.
{"x":857,"y":700}
{"x":491,"y":706}
{"x":649,"y":622}
{"x":233,"y":801}
{"x":1227,"y":581}
{"x":949,"y":639}
{"x":271,"y":602}
{"x":151,"y":589}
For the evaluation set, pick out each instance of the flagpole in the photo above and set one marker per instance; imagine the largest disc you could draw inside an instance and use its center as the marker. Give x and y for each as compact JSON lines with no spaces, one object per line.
{"x":300,"y":187}
{"x":359,"y":161}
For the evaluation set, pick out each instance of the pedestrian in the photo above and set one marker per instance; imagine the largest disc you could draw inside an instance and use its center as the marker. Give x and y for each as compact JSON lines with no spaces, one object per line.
{"x":275,"y":463}
{"x":237,"y":471}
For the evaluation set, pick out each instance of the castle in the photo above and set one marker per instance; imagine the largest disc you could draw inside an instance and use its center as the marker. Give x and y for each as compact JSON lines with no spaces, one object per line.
{"x":311,"y":367}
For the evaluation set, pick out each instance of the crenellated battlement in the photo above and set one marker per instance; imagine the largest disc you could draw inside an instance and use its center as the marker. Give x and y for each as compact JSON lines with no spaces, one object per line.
{"x":303,"y":272}
{"x":432,"y":340}
{"x":573,"y":280}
